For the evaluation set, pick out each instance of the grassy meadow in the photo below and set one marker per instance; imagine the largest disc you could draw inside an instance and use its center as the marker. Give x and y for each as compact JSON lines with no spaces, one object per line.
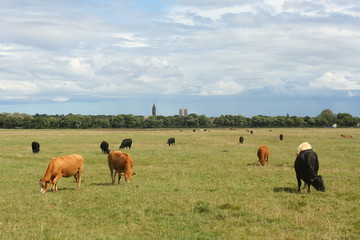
{"x":207,"y":186}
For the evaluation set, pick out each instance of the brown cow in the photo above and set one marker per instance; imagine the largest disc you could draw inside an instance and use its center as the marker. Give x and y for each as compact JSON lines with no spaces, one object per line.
{"x":263,"y":154}
{"x":347,"y":136}
{"x":64,"y":166}
{"x":122,"y":163}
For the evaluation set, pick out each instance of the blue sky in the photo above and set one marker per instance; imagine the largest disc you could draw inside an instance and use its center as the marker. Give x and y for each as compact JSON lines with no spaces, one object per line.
{"x":213,"y":57}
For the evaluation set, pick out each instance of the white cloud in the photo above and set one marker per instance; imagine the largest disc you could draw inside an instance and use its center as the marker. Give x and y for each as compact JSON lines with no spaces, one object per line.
{"x":17,"y":88}
{"x":335,"y":81}
{"x":221,"y":88}
{"x":61,"y":99}
{"x":144,"y":79}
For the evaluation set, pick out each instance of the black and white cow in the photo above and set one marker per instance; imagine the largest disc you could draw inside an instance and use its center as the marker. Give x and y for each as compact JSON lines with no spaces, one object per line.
{"x":306,"y":168}
{"x":126,"y":143}
{"x":35,"y":147}
{"x":171,"y":141}
{"x":104,"y":147}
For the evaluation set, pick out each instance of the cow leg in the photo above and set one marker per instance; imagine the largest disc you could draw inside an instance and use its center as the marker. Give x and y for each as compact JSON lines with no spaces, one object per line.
{"x":112,"y":176}
{"x":80,"y":175}
{"x":308,"y":188}
{"x":56,"y":179}
{"x":299,"y":183}
{"x":119,"y":177}
{"x":77,"y":177}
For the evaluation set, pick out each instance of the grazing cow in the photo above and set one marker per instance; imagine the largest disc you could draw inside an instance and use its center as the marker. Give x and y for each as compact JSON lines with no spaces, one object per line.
{"x":122,"y":163}
{"x":347,"y":136}
{"x":281,"y":137}
{"x":104,"y":147}
{"x":263,"y":154}
{"x":241,"y":140}
{"x":303,"y":146}
{"x":126,"y":143}
{"x":171,"y":141}
{"x":64,"y":166}
{"x":306,"y":168}
{"x":35,"y":147}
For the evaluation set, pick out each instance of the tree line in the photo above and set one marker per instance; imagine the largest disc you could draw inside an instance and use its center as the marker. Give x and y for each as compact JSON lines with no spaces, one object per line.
{"x":42,"y":121}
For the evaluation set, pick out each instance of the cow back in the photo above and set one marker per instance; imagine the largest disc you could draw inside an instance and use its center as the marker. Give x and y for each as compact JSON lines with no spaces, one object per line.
{"x":66,"y":165}
{"x":307,"y":164}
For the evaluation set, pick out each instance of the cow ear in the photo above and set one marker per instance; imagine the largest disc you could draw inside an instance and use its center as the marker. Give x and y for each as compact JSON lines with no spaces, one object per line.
{"x":133,"y":174}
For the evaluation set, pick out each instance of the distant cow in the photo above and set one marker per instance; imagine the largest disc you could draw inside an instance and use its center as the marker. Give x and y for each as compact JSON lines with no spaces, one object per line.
{"x":263,"y":154}
{"x":104,"y":147}
{"x":35,"y":147}
{"x":64,"y":166}
{"x":171,"y":141}
{"x":306,"y":168}
{"x":122,"y":163}
{"x":281,"y":137}
{"x":303,"y":146}
{"x":126,"y":143}
{"x":347,"y":136}
{"x":241,"y":140}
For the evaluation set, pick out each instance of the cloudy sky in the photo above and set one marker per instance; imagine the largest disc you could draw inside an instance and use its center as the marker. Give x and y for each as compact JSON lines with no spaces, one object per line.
{"x":213,"y":57}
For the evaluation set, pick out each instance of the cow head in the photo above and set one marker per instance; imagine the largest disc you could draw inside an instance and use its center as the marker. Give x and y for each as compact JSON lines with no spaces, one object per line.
{"x":128,"y":176}
{"x":318,"y":183}
{"x":44,"y":184}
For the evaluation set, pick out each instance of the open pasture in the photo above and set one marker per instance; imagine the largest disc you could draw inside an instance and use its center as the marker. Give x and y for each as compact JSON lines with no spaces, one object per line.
{"x":207,"y":186}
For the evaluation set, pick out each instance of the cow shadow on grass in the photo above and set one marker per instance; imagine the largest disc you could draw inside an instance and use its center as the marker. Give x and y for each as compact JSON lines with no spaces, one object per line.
{"x":66,"y":189}
{"x":253,"y":164}
{"x":285,"y":189}
{"x":102,"y":184}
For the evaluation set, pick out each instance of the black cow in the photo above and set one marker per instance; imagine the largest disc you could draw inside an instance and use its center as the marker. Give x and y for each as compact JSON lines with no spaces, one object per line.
{"x":281,"y":137}
{"x":35,"y":147}
{"x":241,"y":139}
{"x":306,"y":168}
{"x":171,"y":141}
{"x":104,"y":147}
{"x":126,"y":143}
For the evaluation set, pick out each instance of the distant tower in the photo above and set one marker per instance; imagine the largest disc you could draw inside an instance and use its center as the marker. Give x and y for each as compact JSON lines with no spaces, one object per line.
{"x":154,"y":110}
{"x":183,"y":112}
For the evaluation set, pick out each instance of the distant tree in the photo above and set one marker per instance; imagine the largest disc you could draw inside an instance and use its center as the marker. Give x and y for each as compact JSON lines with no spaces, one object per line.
{"x":203,"y":121}
{"x":261,"y":121}
{"x":151,"y":122}
{"x":346,"y":120}
{"x":117,"y":121}
{"x":192,"y":120}
{"x":328,"y":118}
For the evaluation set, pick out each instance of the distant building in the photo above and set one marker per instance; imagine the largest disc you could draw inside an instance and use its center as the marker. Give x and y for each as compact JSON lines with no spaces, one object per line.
{"x":154,"y":110}
{"x":183,"y":112}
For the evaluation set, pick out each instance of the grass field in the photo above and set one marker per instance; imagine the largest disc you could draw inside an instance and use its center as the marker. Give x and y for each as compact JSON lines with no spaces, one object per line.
{"x":207,"y":186}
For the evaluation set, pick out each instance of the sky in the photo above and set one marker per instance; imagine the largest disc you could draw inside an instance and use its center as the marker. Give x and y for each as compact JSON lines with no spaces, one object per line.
{"x":212,"y":57}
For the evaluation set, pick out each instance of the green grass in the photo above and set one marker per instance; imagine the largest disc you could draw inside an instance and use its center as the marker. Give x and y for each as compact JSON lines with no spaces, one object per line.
{"x":207,"y":186}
